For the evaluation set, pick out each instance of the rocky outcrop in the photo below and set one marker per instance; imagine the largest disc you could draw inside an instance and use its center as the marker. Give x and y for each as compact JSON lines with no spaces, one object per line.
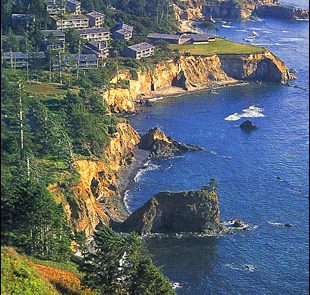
{"x":195,"y":73}
{"x":182,"y":212}
{"x":95,"y":198}
{"x":248,"y":126}
{"x":161,"y":146}
{"x":186,"y":10}
{"x":281,"y":11}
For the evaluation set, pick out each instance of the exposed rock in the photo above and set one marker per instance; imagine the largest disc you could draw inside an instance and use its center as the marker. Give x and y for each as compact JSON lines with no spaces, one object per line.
{"x":181,"y":212}
{"x":161,"y":146}
{"x":248,"y":126}
{"x":281,"y":11}
{"x":196,"y":73}
{"x":96,"y":198}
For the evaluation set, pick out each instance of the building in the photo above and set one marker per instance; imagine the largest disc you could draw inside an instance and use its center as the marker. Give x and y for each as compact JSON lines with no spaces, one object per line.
{"x":182,"y":38}
{"x":201,"y":38}
{"x":169,"y":38}
{"x":100,"y":49}
{"x":70,"y":22}
{"x":20,"y":59}
{"x":95,"y":19}
{"x":95,"y":34}
{"x":54,"y":7}
{"x":81,"y":61}
{"x":22,"y":20}
{"x":74,"y":7}
{"x":122,"y":32}
{"x":139,"y":51}
{"x":54,"y":39}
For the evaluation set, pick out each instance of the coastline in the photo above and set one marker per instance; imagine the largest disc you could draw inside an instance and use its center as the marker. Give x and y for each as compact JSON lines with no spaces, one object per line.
{"x":128,"y":173}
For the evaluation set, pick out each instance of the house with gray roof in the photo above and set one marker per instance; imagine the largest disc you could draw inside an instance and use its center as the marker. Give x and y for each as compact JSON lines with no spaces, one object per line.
{"x":96,"y":19}
{"x":74,"y":6}
{"x":139,"y":51}
{"x":22,"y":20}
{"x":122,"y":32}
{"x":81,"y":61}
{"x":100,"y":49}
{"x":21,"y":60}
{"x":54,"y":39}
{"x":94,"y":34}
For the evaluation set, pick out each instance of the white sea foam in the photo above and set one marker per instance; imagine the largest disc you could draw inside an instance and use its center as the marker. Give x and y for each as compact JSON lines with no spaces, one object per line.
{"x":176,"y":285}
{"x":226,"y":26}
{"x":291,"y":39}
{"x":285,"y":31}
{"x":251,"y":112}
{"x":267,"y":32}
{"x":126,"y":200}
{"x":155,"y":99}
{"x":242,"y":30}
{"x":245,"y":267}
{"x":279,"y":224}
{"x":148,"y":166}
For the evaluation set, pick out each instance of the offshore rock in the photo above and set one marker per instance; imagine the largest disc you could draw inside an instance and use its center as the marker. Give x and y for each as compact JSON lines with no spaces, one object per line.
{"x":180,"y":212}
{"x":161,"y":146}
{"x":248,"y":126}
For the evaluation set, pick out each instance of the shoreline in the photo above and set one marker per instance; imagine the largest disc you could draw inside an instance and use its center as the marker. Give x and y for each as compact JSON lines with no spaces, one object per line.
{"x":128,"y":173}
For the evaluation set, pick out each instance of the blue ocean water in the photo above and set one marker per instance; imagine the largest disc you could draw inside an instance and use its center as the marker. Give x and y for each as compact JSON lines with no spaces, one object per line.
{"x":246,"y":167}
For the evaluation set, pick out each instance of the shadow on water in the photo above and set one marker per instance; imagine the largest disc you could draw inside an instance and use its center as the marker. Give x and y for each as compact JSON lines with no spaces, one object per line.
{"x":190,"y":258}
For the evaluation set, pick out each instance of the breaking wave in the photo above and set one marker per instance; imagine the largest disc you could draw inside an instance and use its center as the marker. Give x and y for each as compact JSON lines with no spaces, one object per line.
{"x":251,"y":112}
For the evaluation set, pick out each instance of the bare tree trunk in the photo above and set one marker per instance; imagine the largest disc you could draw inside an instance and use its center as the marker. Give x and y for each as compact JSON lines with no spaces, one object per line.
{"x":21,"y":122}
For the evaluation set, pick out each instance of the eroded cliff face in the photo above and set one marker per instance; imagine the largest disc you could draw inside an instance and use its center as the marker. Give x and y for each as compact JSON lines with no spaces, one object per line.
{"x":195,"y":73}
{"x":187,"y":10}
{"x":95,"y":198}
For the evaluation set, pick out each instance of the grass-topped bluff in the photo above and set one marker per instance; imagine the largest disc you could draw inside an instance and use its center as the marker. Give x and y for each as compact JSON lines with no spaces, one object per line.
{"x":219,"y":46}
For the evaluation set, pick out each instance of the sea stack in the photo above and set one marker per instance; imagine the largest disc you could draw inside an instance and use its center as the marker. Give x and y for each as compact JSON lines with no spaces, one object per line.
{"x":248,"y":126}
{"x":177,"y":212}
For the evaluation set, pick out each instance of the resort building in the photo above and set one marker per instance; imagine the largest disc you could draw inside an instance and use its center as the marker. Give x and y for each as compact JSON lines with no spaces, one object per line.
{"x":54,"y":39}
{"x":70,"y":21}
{"x":81,"y":61}
{"x":139,"y":51}
{"x":100,"y":49}
{"x":20,"y":59}
{"x":169,"y":38}
{"x":182,"y":38}
{"x":74,"y":7}
{"x":95,"y":34}
{"x":96,"y":19}
{"x":122,"y":32}
{"x":54,"y":7}
{"x":22,"y":20}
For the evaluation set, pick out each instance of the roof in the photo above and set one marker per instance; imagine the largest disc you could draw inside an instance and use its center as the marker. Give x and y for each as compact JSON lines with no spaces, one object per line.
{"x":21,"y":55}
{"x":95,"y":14}
{"x":22,"y":16}
{"x":70,"y":16}
{"x":92,"y":31}
{"x":74,"y":2}
{"x":56,"y":33}
{"x":123,"y":31}
{"x":98,"y":44}
{"x":200,"y":37}
{"x":82,"y":57}
{"x":123,"y":26}
{"x":141,"y":46}
{"x":164,"y":36}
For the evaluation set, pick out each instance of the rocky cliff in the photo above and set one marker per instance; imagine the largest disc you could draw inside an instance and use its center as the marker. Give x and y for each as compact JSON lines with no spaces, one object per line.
{"x":195,"y":73}
{"x":95,"y":199}
{"x":182,"y":212}
{"x":234,"y":9}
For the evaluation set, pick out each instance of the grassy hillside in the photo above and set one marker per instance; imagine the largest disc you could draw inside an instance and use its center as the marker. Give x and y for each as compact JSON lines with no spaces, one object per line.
{"x":219,"y":46}
{"x":18,"y":276}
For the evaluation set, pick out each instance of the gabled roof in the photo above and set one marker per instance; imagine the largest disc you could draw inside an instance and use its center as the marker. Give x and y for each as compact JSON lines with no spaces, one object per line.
{"x":200,"y":37}
{"x":95,"y":14}
{"x":21,"y":55}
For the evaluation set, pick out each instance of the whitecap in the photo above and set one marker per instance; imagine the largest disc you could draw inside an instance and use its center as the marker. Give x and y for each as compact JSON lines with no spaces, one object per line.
{"x":251,"y":112}
{"x":233,"y":117}
{"x":176,"y":285}
{"x":244,"y":267}
{"x":155,"y":99}
{"x":148,"y":166}
{"x":285,"y":31}
{"x":226,"y":26}
{"x":242,"y":30}
{"x":126,"y":200}
{"x":267,"y":32}
{"x":291,"y":39}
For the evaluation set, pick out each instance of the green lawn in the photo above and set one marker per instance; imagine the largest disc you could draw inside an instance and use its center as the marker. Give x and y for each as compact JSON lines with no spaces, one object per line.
{"x":219,"y":46}
{"x":45,"y":89}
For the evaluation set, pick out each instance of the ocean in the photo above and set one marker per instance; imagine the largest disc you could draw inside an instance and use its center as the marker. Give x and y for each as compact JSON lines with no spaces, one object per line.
{"x":263,"y":176}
